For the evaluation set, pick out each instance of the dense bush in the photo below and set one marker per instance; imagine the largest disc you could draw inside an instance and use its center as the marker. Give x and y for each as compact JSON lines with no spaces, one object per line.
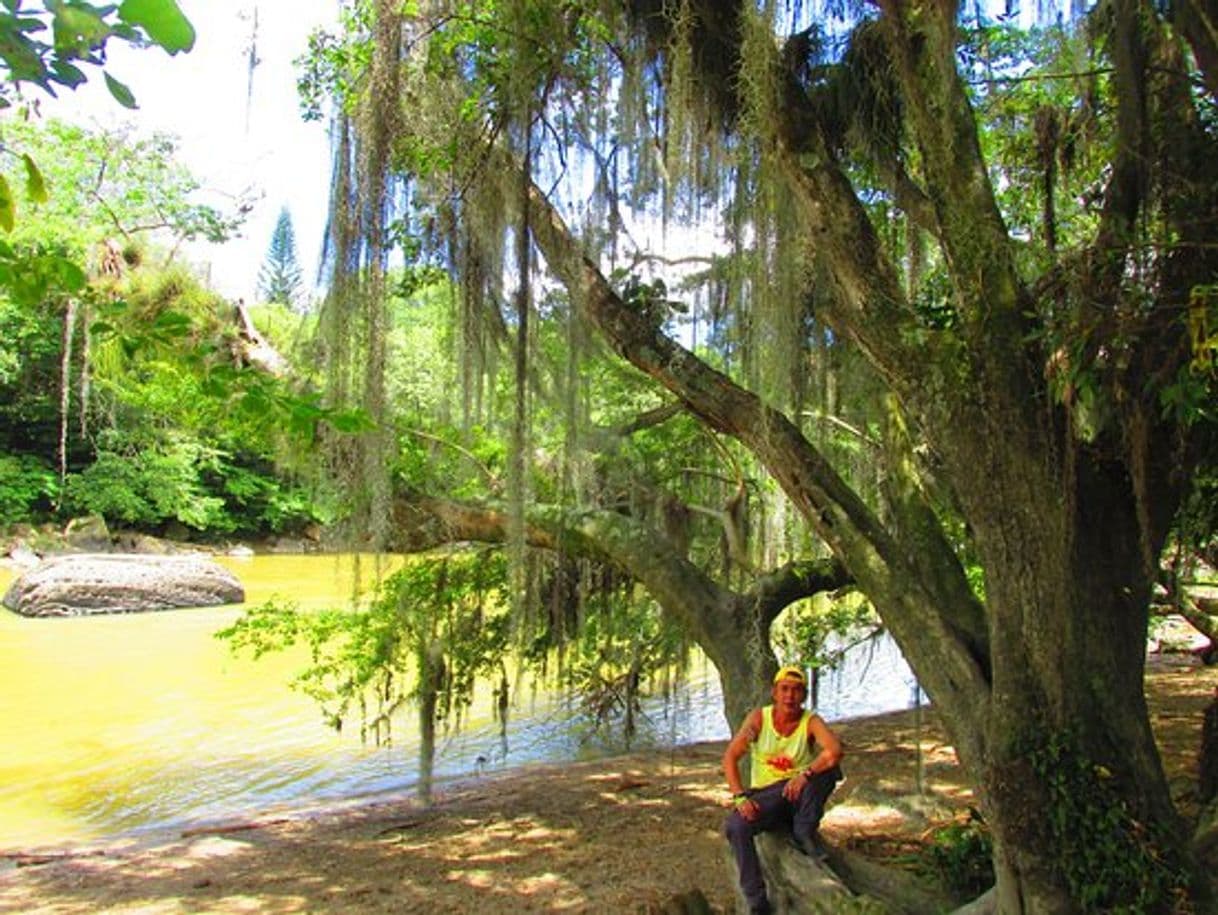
{"x":127,"y":380}
{"x":28,"y":487}
{"x":186,"y":482}
{"x":148,"y":489}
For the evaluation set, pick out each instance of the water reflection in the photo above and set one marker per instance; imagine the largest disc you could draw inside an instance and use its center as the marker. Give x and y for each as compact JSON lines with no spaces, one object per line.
{"x":124,"y":724}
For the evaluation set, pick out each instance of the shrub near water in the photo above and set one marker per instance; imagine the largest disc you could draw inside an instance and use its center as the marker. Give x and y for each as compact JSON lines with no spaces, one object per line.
{"x":27,"y":487}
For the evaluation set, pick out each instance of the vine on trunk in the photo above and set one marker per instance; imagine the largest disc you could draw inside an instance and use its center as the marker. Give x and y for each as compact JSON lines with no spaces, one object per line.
{"x":1110,"y":860}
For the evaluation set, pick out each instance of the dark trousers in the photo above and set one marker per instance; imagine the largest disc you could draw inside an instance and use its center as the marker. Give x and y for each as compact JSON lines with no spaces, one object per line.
{"x":776,"y":812}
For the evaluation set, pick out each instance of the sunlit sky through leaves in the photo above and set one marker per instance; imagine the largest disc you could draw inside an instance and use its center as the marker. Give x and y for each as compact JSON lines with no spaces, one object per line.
{"x":262,"y":148}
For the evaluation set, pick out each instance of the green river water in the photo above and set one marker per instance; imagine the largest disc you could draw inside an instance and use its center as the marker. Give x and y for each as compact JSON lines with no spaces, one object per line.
{"x":123,"y":727}
{"x":117,"y":722}
{"x":119,"y":725}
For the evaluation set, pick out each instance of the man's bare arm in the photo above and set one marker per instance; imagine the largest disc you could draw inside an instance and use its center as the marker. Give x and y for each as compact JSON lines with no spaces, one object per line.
{"x":830,"y":746}
{"x":748,"y":732}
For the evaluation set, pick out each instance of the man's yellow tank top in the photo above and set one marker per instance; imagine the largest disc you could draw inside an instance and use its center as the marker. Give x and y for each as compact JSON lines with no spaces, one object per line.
{"x":775,"y":757}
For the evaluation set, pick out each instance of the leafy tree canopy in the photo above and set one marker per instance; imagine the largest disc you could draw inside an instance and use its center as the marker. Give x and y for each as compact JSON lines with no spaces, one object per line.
{"x":111,"y":184}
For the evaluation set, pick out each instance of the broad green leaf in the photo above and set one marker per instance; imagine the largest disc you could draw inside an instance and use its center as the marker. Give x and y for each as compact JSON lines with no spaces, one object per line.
{"x":67,"y":74}
{"x":120,"y":92}
{"x":35,"y":187}
{"x":162,"y":20}
{"x":19,"y":53}
{"x":8,"y":207}
{"x":172,"y":323}
{"x":77,"y":30}
{"x":69,"y":274}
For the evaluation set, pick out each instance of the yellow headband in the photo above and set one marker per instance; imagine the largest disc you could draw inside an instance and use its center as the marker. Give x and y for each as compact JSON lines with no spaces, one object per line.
{"x":790,"y":672}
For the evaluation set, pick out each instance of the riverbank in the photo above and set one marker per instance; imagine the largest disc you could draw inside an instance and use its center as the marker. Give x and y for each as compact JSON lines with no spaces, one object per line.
{"x":614,"y":835}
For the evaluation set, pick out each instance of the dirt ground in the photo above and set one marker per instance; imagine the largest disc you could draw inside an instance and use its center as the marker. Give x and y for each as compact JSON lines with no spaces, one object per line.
{"x":618,"y":835}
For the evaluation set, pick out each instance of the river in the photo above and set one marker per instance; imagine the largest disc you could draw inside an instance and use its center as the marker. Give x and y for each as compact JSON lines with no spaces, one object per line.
{"x":129,"y":725}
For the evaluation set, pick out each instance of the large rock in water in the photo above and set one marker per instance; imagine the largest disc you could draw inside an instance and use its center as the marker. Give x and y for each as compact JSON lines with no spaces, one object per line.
{"x":86,"y":583}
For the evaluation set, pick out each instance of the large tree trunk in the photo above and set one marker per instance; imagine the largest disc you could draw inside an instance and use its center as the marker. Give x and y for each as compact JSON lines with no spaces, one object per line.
{"x":1067,"y":595}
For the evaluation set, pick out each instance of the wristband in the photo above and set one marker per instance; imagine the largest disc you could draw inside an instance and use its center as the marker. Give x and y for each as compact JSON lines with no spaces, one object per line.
{"x":739,"y":799}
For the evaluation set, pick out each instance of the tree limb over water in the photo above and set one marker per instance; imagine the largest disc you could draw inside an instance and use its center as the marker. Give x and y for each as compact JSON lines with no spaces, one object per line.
{"x":718,"y":618}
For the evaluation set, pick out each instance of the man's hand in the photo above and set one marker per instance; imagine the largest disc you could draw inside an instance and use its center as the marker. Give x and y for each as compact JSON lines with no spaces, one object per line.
{"x":794,"y":787}
{"x":748,"y":809}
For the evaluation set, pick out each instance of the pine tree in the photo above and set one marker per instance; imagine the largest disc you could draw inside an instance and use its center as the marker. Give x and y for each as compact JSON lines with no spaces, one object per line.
{"x":279,"y":279}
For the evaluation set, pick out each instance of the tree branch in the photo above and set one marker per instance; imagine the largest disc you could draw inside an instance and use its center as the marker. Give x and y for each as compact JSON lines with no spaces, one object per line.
{"x":721,"y":621}
{"x":775,"y":591}
{"x":833,"y":509}
{"x":654,"y":417}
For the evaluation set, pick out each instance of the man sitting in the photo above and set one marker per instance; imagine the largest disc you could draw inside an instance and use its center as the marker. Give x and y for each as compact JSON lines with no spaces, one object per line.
{"x":793,"y":768}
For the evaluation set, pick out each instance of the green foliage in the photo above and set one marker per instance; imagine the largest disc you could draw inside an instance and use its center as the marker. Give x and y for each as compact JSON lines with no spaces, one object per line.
{"x":258,"y":501}
{"x":102,"y":183}
{"x":624,"y":644}
{"x":649,"y":299}
{"x":185,"y":482}
{"x":36,"y":283}
{"x":164,"y":361}
{"x":80,"y":32}
{"x":179,"y":433}
{"x":30,"y":273}
{"x":456,"y":604}
{"x":1110,"y":861}
{"x":333,"y":65}
{"x":420,"y":344}
{"x":446,"y":459}
{"x":450,"y":614}
{"x":279,"y":279}
{"x":802,"y":634}
{"x":1190,"y":396}
{"x":170,"y":360}
{"x":28,"y":488}
{"x":1203,"y":328}
{"x":148,"y":486}
{"x":1196,"y":525}
{"x":961,"y":856}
